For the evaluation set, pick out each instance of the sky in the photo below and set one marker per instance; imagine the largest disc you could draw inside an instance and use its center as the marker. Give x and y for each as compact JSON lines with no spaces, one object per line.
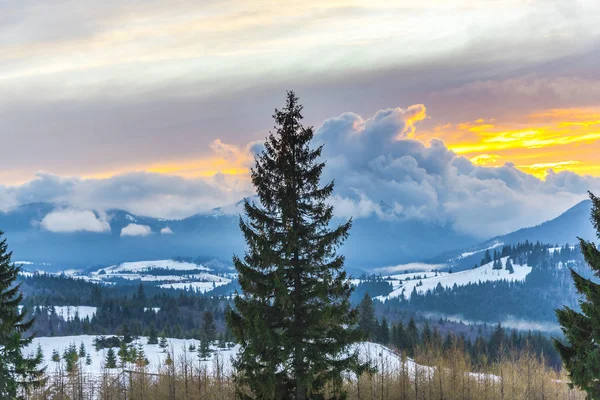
{"x":461,"y":112}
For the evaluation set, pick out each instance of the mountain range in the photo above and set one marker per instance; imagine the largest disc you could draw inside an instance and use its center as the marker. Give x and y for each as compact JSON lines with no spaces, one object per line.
{"x":373,"y":242}
{"x":564,"y":229}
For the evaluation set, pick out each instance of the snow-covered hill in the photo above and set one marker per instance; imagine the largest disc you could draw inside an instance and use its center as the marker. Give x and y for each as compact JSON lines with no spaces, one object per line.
{"x":367,"y":351}
{"x":167,"y":274}
{"x":421,"y":282}
{"x":379,"y":356}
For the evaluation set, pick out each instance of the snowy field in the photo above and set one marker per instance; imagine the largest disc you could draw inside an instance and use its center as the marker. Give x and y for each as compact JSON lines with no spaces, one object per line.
{"x":405,"y":283}
{"x":375,"y":353}
{"x":155,"y":355}
{"x":381,"y":357}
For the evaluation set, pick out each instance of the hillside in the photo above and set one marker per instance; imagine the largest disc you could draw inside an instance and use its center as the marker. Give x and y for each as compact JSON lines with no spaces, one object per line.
{"x":564,"y":229}
{"x":405,"y":284}
{"x":573,"y":223}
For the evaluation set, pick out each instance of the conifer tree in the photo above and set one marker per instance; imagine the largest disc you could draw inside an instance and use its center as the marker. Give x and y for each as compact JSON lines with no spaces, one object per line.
{"x":204,"y":348}
{"x":426,"y":333}
{"x":123,"y":354}
{"x":366,"y":317}
{"x":152,"y":335}
{"x":55,"y":356}
{"x":294,"y":321}
{"x":487,"y":258}
{"x":39,"y":353}
{"x":412,"y":336}
{"x":82,"y":351}
{"x":581,"y":353}
{"x":141,"y":296}
{"x":140,"y":357}
{"x":111,"y":358}
{"x":509,"y":266}
{"x":399,"y":336}
{"x":17,"y":372}
{"x":163,"y":344}
{"x":384,"y":332}
{"x":209,"y":327}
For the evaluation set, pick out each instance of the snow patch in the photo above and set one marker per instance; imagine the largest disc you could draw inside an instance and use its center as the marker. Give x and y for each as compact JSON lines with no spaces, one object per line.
{"x":485,"y":273}
{"x":470,"y":253}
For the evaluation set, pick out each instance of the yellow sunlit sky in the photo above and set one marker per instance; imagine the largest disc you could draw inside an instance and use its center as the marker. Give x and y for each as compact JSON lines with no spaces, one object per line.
{"x":558,"y":139}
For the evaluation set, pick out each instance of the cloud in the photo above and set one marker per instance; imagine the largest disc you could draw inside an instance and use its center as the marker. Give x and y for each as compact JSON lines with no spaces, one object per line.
{"x":410,"y":267}
{"x":166,"y":231}
{"x":142,"y":193}
{"x":380,"y":171}
{"x":69,"y":220}
{"x":136,"y":230}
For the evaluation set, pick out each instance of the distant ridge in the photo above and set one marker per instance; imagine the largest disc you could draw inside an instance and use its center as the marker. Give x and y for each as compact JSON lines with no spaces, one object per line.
{"x":564,"y":229}
{"x":573,"y":223}
{"x":373,"y":242}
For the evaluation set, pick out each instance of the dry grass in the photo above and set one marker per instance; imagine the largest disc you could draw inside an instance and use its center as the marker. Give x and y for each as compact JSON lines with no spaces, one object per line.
{"x":517,"y":376}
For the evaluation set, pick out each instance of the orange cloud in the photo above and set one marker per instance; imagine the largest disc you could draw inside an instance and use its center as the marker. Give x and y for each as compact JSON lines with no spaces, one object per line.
{"x":558,"y":139}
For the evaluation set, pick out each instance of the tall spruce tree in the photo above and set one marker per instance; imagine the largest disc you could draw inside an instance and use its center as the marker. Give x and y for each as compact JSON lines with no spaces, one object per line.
{"x":366,"y":317}
{"x":294,"y":321}
{"x":209,"y":328}
{"x":111,"y":359}
{"x":17,"y":372}
{"x":581,"y":355}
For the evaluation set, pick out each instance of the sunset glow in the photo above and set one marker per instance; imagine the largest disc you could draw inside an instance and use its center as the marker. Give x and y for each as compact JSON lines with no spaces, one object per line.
{"x":557,"y":139}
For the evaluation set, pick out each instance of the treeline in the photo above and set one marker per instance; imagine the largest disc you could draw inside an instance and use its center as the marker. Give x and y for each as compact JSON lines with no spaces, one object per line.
{"x":373,"y":285}
{"x":180,"y":316}
{"x":481,"y":352}
{"x":531,"y":253}
{"x":52,"y":290}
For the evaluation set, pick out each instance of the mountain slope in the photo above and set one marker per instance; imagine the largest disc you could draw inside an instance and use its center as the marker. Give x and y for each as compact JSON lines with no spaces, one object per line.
{"x":573,"y":223}
{"x":564,"y":229}
{"x":372,"y":243}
